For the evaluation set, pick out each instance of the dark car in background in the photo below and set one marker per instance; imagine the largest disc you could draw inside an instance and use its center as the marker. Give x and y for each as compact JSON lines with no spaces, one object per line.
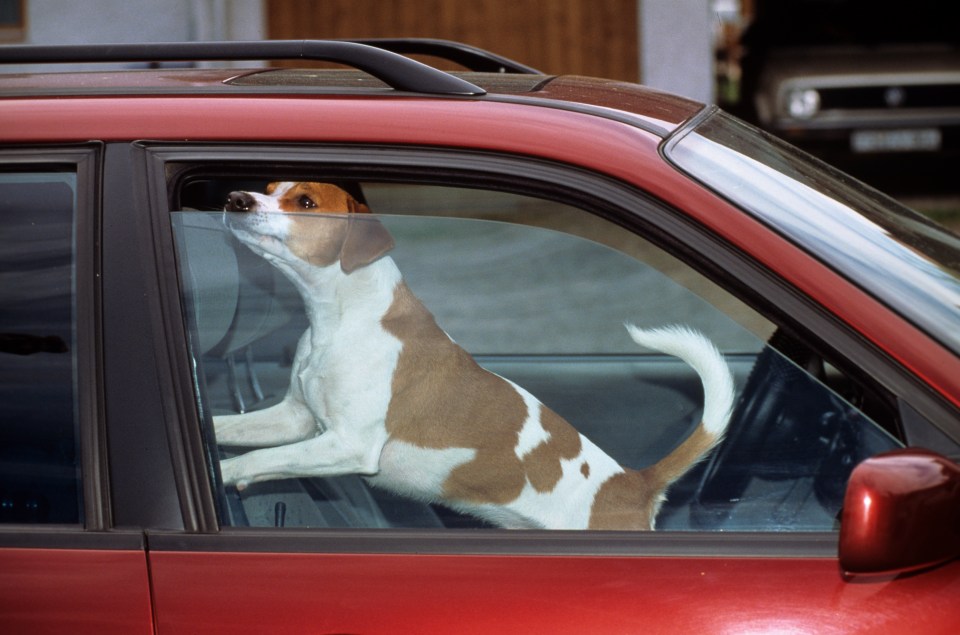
{"x":871,"y":86}
{"x":533,"y":215}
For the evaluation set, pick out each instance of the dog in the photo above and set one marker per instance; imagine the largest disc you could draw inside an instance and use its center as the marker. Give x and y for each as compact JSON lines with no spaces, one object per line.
{"x":378,"y":389}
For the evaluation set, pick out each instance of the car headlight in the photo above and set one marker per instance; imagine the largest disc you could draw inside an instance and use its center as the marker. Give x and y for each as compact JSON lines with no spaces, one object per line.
{"x":803,"y":103}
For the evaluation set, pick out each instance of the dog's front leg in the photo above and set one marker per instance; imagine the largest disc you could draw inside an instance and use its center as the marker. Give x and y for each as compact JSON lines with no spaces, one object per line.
{"x":330,"y":454}
{"x":287,"y":422}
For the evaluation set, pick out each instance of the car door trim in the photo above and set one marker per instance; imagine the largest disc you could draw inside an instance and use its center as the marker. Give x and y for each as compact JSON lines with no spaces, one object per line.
{"x":53,"y":537}
{"x":503,"y":542}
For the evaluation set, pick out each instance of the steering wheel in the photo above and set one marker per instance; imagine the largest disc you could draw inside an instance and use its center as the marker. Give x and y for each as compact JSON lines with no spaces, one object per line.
{"x":781,"y":428}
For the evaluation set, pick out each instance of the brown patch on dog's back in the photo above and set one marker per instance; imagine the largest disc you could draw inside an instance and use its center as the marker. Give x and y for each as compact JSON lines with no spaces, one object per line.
{"x":443,"y":399}
{"x":626,"y":500}
{"x":542,"y":463}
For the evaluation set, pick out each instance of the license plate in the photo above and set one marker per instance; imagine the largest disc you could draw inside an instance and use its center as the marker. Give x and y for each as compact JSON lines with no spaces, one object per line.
{"x":906,"y":140}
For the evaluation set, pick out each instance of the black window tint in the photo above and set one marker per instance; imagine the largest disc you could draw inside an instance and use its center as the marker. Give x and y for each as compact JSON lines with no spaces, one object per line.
{"x":39,"y":473}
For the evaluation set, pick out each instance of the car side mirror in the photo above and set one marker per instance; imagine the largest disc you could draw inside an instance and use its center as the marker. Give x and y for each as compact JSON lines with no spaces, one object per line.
{"x":901,"y":512}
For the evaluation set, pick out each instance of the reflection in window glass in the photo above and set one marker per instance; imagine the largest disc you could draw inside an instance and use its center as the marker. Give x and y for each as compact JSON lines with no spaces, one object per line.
{"x":894,"y":253}
{"x":537,"y":304}
{"x":39,"y":474}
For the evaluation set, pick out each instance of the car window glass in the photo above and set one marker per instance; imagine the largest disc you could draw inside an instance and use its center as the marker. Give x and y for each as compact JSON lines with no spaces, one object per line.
{"x":902,"y":258}
{"x":39,"y":472}
{"x":534,"y":291}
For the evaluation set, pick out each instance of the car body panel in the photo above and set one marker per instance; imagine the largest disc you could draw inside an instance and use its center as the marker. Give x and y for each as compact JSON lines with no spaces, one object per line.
{"x":239,"y":592}
{"x":228,"y":118}
{"x":74,"y":590}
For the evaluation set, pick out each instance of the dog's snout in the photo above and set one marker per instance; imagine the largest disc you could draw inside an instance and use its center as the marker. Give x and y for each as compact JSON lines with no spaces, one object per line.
{"x":240,"y":202}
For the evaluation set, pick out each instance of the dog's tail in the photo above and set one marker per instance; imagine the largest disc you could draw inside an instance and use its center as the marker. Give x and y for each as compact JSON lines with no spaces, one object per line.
{"x":718,"y":393}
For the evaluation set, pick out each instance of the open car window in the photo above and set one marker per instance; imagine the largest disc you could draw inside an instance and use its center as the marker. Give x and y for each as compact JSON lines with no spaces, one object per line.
{"x":535,"y":292}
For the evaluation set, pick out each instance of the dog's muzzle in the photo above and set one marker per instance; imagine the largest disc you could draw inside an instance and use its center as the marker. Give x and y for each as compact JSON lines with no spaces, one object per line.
{"x":240,"y":202}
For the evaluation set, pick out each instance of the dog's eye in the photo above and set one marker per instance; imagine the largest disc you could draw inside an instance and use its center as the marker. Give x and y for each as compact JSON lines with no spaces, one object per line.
{"x":306,"y":202}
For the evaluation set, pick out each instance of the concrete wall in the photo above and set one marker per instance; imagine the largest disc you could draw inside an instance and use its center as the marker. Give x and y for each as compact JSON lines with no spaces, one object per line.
{"x":127,"y":21}
{"x":676,"y":47}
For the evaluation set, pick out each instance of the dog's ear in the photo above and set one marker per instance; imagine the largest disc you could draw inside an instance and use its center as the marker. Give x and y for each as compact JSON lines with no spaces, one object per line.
{"x":366,"y":240}
{"x":356,"y":207}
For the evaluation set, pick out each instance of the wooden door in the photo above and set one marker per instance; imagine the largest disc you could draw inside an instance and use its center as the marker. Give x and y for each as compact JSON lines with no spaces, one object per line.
{"x":582,"y":37}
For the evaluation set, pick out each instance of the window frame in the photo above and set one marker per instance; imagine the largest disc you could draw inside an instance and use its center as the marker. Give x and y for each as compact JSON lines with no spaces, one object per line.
{"x":84,"y":161}
{"x":168,"y":164}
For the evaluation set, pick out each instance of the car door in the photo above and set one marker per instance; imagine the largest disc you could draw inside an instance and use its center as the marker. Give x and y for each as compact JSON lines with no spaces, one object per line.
{"x":532,"y":268}
{"x":61,"y":566}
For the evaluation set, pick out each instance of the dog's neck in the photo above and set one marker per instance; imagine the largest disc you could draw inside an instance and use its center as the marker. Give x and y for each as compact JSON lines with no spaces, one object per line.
{"x":330,"y":294}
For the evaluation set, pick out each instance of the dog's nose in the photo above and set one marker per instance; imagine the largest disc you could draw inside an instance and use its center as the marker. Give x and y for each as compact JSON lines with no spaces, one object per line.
{"x":240,"y":202}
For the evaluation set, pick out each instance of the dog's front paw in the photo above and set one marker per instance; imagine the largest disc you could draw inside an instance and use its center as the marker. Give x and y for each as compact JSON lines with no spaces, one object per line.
{"x":231,"y":473}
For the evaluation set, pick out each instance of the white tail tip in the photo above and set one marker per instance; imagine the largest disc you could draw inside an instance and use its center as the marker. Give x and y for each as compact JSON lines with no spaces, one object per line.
{"x":700,"y":353}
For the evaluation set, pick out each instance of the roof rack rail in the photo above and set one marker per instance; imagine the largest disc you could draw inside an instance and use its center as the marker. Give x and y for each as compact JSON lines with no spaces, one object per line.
{"x":395,"y":70}
{"x":470,"y":57}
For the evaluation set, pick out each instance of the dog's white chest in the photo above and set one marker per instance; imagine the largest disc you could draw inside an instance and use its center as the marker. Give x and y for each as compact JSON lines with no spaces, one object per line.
{"x":345,"y":363}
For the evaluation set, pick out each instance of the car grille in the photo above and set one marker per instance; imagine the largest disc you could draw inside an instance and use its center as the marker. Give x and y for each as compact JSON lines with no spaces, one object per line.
{"x":891,"y":96}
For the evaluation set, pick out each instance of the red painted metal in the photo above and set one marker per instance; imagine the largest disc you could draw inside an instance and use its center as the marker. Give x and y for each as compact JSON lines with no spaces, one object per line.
{"x":75,"y":591}
{"x":290,"y":593}
{"x":901,"y":512}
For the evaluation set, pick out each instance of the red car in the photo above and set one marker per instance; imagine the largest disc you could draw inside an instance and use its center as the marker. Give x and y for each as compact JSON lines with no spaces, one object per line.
{"x":531,"y":216}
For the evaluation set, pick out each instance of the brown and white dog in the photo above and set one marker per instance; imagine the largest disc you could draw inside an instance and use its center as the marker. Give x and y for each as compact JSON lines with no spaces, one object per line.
{"x":378,"y":389}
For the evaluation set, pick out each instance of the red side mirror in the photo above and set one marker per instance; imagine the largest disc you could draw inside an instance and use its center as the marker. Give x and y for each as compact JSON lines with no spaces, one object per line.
{"x":901,"y":512}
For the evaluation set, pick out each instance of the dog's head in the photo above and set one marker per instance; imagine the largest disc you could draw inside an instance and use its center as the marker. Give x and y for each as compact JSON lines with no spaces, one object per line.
{"x":317,"y":223}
